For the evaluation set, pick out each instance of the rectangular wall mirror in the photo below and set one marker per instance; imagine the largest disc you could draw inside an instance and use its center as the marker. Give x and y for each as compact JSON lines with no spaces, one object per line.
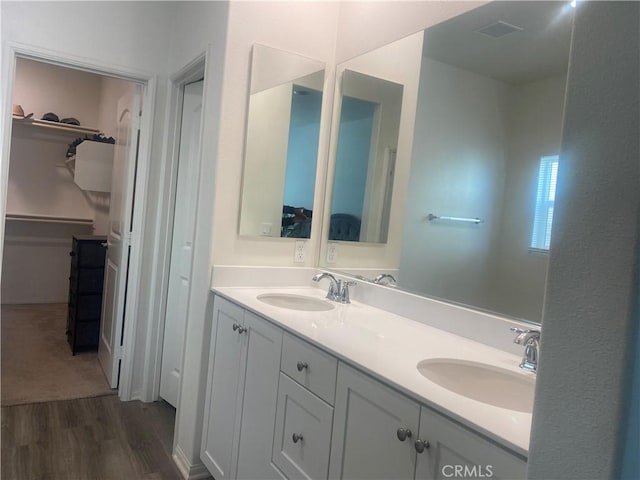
{"x":471,"y":213}
{"x":365,"y":159}
{"x":281,"y":145}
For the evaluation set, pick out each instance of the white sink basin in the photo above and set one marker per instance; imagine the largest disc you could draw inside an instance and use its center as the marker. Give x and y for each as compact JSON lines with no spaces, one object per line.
{"x":295,"y":302}
{"x":485,"y":383}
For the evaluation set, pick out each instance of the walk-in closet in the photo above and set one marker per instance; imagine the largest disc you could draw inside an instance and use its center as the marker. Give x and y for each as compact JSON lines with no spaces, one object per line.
{"x":64,"y":129}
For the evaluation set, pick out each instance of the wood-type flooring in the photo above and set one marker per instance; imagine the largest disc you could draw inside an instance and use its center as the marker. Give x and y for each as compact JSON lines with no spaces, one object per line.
{"x":96,"y":438}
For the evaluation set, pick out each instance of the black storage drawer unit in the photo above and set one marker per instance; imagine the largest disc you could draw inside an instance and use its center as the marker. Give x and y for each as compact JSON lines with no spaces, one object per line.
{"x":85,"y":292}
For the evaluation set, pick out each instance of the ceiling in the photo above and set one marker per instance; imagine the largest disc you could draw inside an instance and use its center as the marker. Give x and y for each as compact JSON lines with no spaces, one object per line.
{"x":540,"y":50}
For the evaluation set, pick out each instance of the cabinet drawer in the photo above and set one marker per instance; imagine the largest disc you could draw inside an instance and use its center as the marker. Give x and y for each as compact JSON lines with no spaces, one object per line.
{"x":86,"y":307}
{"x":89,"y":280}
{"x":301,"y":413}
{"x":310,"y":367}
{"x":84,"y":336}
{"x":88,"y":253}
{"x":87,"y":334}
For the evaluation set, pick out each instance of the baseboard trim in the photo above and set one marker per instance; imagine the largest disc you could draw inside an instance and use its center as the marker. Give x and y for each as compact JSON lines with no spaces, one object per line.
{"x":188,"y":470}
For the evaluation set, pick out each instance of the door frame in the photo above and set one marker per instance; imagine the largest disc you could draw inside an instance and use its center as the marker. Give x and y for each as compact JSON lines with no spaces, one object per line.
{"x":192,"y":71}
{"x":149,"y":83}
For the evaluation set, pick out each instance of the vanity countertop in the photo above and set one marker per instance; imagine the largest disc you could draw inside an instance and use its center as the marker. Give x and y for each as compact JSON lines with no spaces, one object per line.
{"x":389,"y":347}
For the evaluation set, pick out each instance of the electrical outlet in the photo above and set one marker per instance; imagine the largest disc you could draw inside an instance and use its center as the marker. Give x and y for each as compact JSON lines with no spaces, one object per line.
{"x":298,"y":253}
{"x":332,"y":252}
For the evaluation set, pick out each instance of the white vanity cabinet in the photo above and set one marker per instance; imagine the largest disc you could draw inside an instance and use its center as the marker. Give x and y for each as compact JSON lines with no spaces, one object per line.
{"x":380,"y":433}
{"x":279,"y":407}
{"x":304,"y":418}
{"x":368,"y":419}
{"x":448,"y":450}
{"x":241,"y":396}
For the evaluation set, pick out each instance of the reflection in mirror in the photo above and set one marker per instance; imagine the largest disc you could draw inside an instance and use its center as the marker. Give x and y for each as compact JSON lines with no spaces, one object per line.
{"x":281,"y":149}
{"x":365,"y":158}
{"x":486,"y":142}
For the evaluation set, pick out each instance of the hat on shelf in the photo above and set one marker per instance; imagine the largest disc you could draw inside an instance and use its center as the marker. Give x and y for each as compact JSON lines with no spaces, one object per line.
{"x":18,"y":112}
{"x":50,"y":117}
{"x":70,"y":121}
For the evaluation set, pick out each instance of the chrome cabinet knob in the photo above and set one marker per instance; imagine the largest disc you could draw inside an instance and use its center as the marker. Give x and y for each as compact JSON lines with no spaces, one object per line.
{"x":302,"y":365}
{"x":403,"y":434}
{"x":296,"y":437}
{"x":421,"y":445}
{"x":238,"y":328}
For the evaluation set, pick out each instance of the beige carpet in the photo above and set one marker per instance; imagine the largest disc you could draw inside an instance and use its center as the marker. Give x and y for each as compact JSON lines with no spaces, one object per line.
{"x":36,"y":361}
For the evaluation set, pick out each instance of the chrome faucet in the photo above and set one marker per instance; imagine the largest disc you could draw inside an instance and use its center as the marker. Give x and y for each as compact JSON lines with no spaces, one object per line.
{"x":338,"y":290}
{"x":531,"y":341}
{"x":344,"y":291}
{"x":385,"y":276}
{"x":334,"y":286}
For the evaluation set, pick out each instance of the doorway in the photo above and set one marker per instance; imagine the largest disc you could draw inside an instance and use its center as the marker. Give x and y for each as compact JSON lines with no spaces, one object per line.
{"x":60,"y":195}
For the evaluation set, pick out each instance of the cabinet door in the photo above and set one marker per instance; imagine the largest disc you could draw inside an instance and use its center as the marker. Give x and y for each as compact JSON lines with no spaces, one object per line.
{"x":260,"y":385}
{"x":222,"y":401}
{"x":456,"y":452}
{"x":367,"y":418}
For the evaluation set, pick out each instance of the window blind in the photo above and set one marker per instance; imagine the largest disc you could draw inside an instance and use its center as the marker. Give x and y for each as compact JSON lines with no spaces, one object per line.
{"x":545,"y":199}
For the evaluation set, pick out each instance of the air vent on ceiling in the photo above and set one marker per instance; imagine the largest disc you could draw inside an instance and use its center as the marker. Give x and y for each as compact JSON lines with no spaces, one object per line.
{"x":498,"y":29}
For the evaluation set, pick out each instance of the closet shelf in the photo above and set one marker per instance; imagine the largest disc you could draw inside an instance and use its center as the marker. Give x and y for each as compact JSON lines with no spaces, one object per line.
{"x":26,"y":217}
{"x":55,"y":126}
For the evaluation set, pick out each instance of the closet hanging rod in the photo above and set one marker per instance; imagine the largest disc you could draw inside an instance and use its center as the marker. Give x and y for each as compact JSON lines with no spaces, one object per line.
{"x":19,"y":217}
{"x":432,"y":217}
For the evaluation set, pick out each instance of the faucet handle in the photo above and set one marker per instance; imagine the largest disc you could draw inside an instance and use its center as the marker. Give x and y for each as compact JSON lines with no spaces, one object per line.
{"x":524,"y":336}
{"x":344,"y":290}
{"x":334,"y":289}
{"x":520,"y":330}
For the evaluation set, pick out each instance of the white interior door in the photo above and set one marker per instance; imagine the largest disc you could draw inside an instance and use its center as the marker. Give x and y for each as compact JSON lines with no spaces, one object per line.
{"x":182,"y":243}
{"x":119,"y":236}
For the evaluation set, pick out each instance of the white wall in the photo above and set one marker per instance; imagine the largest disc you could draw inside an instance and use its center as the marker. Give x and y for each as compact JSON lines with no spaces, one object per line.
{"x":458,"y":169}
{"x":535,"y":127}
{"x":311,"y":34}
{"x":366,"y":25}
{"x":231,"y":29}
{"x":590,"y":314}
{"x":198,"y":27}
{"x":41,"y":88}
